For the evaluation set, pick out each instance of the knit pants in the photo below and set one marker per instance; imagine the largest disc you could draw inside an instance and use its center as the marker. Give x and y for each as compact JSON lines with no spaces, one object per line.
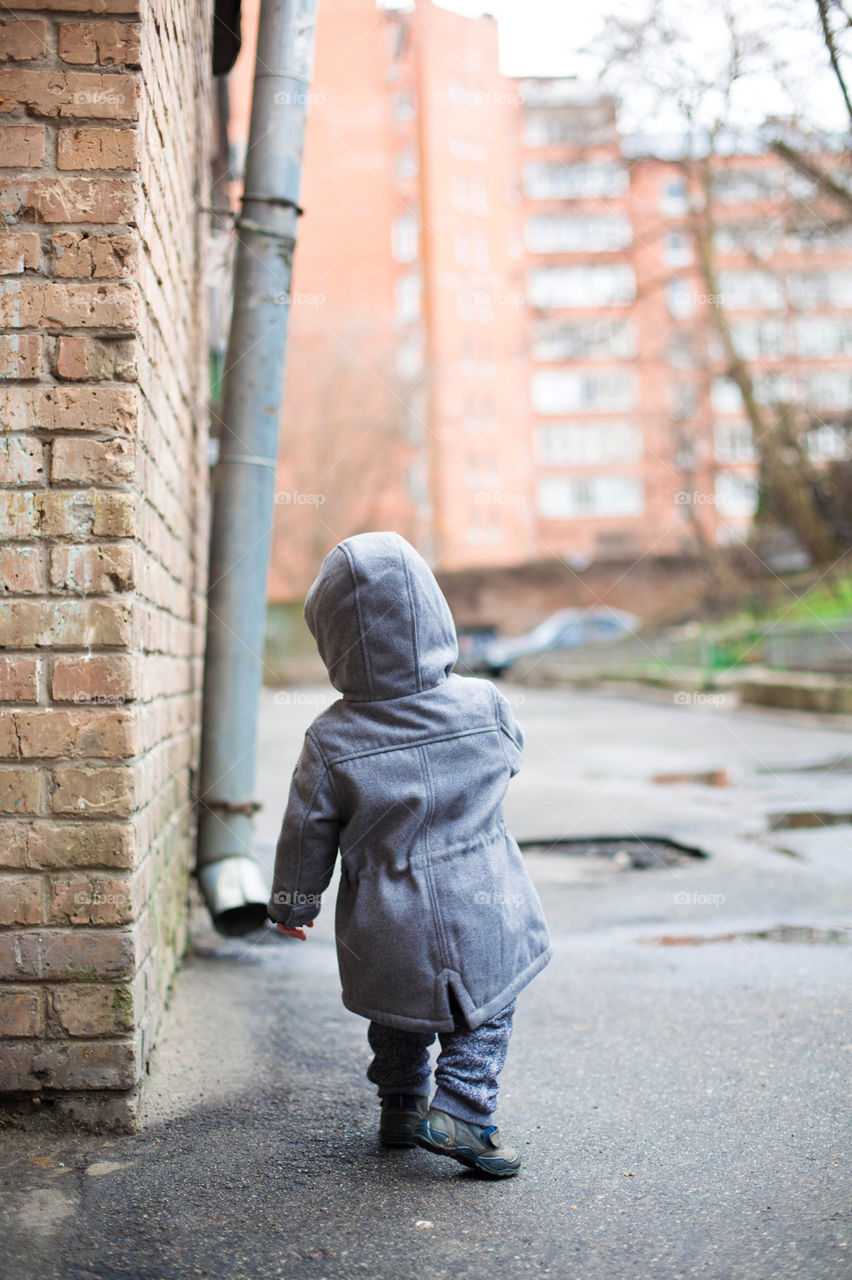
{"x":466,"y":1072}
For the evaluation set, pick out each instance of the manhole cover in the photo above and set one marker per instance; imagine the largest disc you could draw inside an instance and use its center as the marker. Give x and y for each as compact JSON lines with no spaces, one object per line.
{"x":801,"y":934}
{"x":639,"y":852}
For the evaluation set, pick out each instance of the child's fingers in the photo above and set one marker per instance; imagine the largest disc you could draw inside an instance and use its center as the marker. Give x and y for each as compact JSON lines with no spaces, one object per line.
{"x":291,"y":933}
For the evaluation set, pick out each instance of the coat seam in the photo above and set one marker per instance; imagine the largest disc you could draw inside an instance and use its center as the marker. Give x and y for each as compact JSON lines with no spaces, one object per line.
{"x":362,"y":634}
{"x":427,"y":863}
{"x":418,"y":678}
{"x":416,"y":745}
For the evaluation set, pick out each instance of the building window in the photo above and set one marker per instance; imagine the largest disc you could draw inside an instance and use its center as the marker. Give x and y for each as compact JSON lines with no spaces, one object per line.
{"x":677,"y":249}
{"x":588,"y":444}
{"x":725,"y":396}
{"x":748,"y":186}
{"x":403,"y":106}
{"x":571,"y":391}
{"x":585,"y":181}
{"x":821,"y":289}
{"x":822,"y":337}
{"x":597,"y":340}
{"x":481,"y":251}
{"x":736,"y":494}
{"x":674,"y":199}
{"x":478,"y":196}
{"x":407,"y":166}
{"x":581,"y":286}
{"x":404,"y":238}
{"x":409,"y":359}
{"x":567,"y":498}
{"x":755,"y":238}
{"x":562,"y":234}
{"x":458,"y":189}
{"x":755,"y":338}
{"x":733,"y":442}
{"x":461,"y":247}
{"x":407,"y":308}
{"x":827,"y":443}
{"x":747,"y":290}
{"x":680,"y":299}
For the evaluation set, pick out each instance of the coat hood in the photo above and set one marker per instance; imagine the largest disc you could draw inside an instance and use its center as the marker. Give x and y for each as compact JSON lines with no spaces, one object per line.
{"x":382,"y":625}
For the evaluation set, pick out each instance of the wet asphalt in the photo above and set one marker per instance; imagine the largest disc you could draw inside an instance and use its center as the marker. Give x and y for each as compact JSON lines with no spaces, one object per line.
{"x":678,"y":1080}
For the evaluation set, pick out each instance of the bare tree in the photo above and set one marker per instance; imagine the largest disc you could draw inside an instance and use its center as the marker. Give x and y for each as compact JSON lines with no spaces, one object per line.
{"x":656,"y":61}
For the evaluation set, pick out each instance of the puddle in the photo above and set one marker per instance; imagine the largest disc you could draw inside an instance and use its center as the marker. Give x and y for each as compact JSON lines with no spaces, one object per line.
{"x":637,"y":852}
{"x":707,"y":778}
{"x":800,"y":934}
{"x":807,"y":818}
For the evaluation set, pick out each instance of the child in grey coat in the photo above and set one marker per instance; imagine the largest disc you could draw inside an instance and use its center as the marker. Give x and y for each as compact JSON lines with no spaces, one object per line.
{"x":437,"y":923}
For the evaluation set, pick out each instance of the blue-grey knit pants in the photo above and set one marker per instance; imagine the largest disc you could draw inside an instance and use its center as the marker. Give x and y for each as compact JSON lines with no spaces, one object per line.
{"x":467,"y":1070}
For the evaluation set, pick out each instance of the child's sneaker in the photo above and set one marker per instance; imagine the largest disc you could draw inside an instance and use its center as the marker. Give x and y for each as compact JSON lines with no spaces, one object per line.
{"x":400,"y":1114}
{"x":470,"y":1144}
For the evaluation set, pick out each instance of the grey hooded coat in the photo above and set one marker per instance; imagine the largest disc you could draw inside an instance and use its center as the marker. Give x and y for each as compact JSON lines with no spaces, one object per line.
{"x":406,"y":775}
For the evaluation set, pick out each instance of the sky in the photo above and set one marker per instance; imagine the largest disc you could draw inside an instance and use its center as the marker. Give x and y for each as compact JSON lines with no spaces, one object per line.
{"x":548,"y":37}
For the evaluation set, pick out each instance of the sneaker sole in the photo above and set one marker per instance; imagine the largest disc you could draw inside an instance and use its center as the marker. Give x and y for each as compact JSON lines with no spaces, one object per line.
{"x":495,"y":1167}
{"x":398,"y":1138}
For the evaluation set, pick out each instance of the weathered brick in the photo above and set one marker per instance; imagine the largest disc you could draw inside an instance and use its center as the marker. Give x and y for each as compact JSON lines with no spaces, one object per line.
{"x":84,"y":6}
{"x":50,"y":305}
{"x":83,"y":255}
{"x":70,"y":94}
{"x":21,"y":460}
{"x":20,"y":356}
{"x":28,"y":624}
{"x":98,"y":359}
{"x":20,"y":790}
{"x":71,"y":513}
{"x":20,"y":900}
{"x":20,"y":570}
{"x":21,"y":1012}
{"x":83,"y":790}
{"x":56,"y":845}
{"x":18,"y":251}
{"x":97,"y":149}
{"x":22,"y":39}
{"x":13,"y":846}
{"x":100,"y":733}
{"x":21,"y":146}
{"x":92,"y":1010}
{"x":115,"y":516}
{"x":103,"y":678}
{"x":60,"y":1064}
{"x":92,"y":568}
{"x":68,"y":408}
{"x":80,"y":955}
{"x":106,"y":44}
{"x":18,"y":678}
{"x":92,"y":461}
{"x":103,"y":200}
{"x":90,"y":899}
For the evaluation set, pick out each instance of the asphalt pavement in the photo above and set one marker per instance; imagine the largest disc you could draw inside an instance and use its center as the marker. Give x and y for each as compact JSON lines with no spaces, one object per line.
{"x":678,"y":1080}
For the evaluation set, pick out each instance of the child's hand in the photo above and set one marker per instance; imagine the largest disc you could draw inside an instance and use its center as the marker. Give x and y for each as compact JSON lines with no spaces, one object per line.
{"x":295,"y":933}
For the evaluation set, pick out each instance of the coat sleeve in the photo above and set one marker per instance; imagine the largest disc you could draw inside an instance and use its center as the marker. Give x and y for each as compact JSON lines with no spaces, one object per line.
{"x":513,"y":738}
{"x":307,"y":846}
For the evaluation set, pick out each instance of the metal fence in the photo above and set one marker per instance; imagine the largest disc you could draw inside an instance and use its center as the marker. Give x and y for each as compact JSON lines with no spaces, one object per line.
{"x":823,"y":646}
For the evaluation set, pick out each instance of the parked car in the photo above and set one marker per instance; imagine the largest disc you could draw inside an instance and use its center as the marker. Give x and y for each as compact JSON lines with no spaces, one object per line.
{"x":473,"y":641}
{"x":563,"y":630}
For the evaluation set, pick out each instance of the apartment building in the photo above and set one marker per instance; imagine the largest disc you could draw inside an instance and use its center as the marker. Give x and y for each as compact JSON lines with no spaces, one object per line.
{"x":501,"y":343}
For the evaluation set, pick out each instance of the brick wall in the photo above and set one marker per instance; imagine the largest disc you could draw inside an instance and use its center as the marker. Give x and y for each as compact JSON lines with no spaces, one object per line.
{"x":104,"y":124}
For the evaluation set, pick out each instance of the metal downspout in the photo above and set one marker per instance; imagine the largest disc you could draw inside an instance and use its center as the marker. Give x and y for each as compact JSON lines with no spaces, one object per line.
{"x":233,"y":885}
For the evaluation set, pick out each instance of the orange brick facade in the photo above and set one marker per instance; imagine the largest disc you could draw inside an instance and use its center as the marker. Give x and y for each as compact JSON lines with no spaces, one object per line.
{"x":500,"y":342}
{"x":103,"y":465}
